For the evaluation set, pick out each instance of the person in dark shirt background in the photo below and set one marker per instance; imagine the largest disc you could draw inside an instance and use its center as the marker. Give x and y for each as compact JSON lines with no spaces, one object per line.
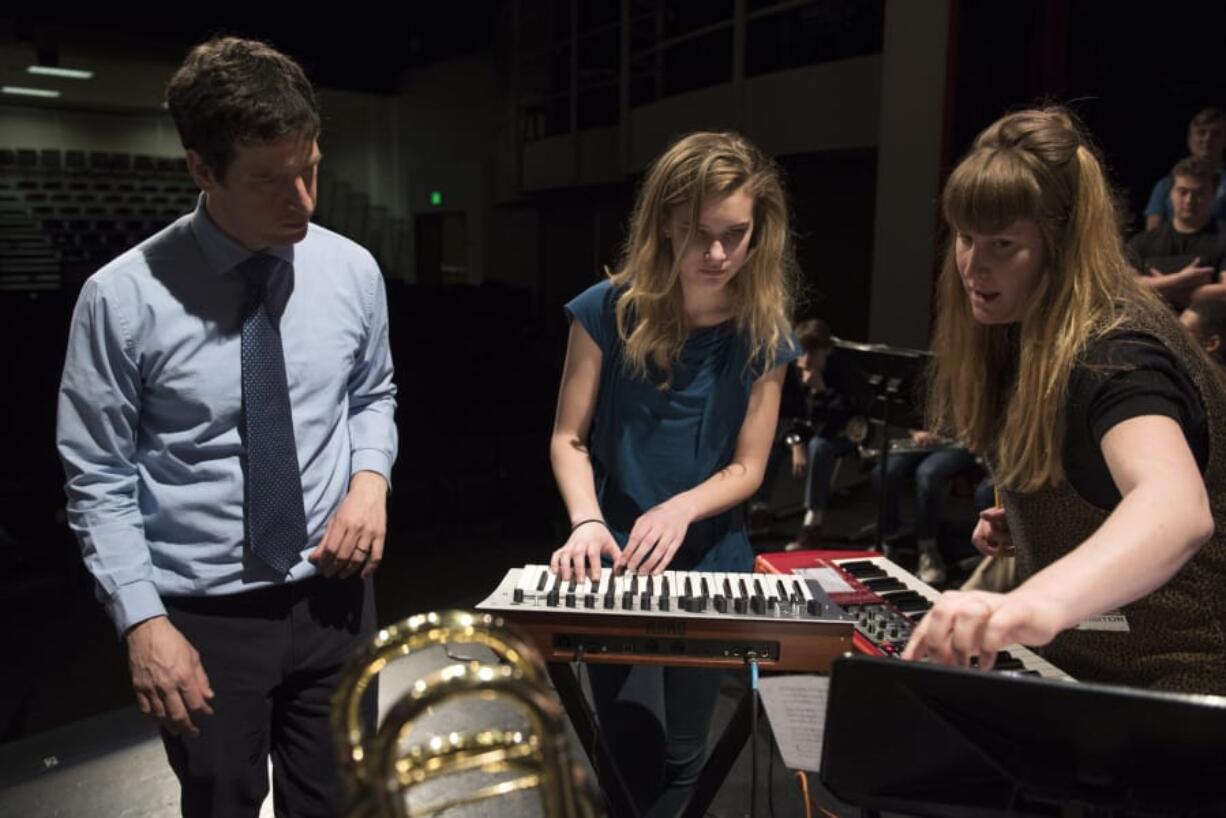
{"x":1182,"y":259}
{"x":819,"y":438}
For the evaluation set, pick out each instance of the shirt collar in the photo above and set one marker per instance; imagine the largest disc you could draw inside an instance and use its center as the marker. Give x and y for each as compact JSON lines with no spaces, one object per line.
{"x":222,"y":253}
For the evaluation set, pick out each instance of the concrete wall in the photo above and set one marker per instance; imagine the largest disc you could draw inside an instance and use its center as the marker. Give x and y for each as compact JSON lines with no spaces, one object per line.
{"x":908,"y":170}
{"x":45,"y":127}
{"x":451,"y":118}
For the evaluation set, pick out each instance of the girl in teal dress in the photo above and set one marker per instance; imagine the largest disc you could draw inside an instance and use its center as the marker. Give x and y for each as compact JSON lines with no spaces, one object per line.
{"x":666,"y":413}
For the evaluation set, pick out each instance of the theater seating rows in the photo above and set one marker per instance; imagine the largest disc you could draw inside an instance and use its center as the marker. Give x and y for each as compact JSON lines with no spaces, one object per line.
{"x":64,"y":213}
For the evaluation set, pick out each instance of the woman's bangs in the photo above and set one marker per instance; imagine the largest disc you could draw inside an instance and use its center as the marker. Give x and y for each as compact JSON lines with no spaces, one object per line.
{"x":989,"y":191}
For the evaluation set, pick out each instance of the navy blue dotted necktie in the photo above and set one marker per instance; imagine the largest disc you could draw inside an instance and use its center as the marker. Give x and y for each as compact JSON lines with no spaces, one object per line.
{"x":276,"y":521}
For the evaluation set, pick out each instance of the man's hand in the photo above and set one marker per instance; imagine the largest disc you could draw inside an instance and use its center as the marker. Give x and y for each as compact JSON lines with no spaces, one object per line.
{"x":922,"y":437}
{"x":169,"y":681}
{"x":1195,"y":274}
{"x":800,"y":459}
{"x":1178,"y":287}
{"x":354,"y":537}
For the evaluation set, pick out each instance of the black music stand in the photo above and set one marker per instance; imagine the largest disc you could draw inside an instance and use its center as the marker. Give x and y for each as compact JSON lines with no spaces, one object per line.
{"x":937,"y":741}
{"x":888,"y":390}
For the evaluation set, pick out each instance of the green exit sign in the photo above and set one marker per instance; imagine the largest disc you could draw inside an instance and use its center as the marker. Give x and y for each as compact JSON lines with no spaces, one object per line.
{"x":436,"y":197}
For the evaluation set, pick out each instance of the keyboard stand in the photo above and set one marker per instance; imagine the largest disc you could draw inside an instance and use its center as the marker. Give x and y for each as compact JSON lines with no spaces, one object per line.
{"x":583,"y":719}
{"x":714,"y":771}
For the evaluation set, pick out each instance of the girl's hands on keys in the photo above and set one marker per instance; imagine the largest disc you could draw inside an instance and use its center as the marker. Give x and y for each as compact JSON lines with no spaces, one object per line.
{"x":968,"y":624}
{"x":581,"y":554}
{"x":654,"y":540}
{"x":991,"y":535}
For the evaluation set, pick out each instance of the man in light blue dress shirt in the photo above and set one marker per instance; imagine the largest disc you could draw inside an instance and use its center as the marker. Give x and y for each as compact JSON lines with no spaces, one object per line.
{"x":233,"y":657}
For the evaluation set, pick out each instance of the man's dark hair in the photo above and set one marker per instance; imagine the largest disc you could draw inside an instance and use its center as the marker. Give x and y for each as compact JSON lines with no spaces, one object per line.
{"x":1195,"y":167}
{"x":1208,"y":116}
{"x":231,"y":91}
{"x":1211,"y":317}
{"x":813,"y":335}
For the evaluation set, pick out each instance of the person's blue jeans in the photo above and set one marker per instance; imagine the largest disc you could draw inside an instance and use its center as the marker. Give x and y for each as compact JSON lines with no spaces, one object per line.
{"x":824,"y":453}
{"x":933,"y":471}
{"x":656,"y":720}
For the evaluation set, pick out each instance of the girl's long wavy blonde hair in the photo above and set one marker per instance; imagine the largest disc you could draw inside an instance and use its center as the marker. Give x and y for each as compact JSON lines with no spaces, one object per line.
{"x":1037,"y":165}
{"x":695,"y":170}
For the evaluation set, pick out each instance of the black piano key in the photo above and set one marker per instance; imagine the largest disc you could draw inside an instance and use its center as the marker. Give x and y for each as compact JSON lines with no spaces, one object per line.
{"x":634,"y":584}
{"x":645,"y":601}
{"x":721,"y":603}
{"x":650,"y":579}
{"x":540,"y":585}
{"x":609,"y":596}
{"x":589,"y":600}
{"x":627,"y":601}
{"x":798,"y":596}
{"x":900,"y":598}
{"x":757,"y":601}
{"x":863,"y":570}
{"x":551,"y":598}
{"x":574,"y":580}
{"x":705,"y":589}
{"x":570,"y":600}
{"x":884,"y":584}
{"x":741,"y":603}
{"x":518,"y":595}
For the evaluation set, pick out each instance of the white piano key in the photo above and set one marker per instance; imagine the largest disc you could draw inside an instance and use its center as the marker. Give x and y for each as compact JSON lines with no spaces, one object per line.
{"x":537,"y":591}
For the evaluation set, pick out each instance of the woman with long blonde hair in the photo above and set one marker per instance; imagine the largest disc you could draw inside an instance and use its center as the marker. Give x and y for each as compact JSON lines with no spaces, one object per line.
{"x":1103,"y":422}
{"x":666,"y":413}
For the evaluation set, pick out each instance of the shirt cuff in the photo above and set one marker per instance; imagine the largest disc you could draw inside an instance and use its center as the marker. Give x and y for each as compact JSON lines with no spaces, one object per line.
{"x":372,"y":460}
{"x":133,"y":604}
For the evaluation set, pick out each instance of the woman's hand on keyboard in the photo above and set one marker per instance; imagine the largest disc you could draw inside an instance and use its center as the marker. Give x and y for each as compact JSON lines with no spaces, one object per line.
{"x":580,"y":556}
{"x":655,"y":538}
{"x":975,"y":625}
{"x":991,"y":534}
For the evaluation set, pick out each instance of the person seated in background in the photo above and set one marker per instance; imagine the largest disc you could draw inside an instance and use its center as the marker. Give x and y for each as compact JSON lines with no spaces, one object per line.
{"x":1206,"y":140}
{"x":817,"y":440}
{"x":1182,"y":259}
{"x":1206,"y":320}
{"x":934,"y":471}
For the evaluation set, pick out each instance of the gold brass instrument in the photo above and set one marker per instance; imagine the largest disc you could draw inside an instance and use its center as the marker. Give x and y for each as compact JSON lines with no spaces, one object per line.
{"x":380,"y":772}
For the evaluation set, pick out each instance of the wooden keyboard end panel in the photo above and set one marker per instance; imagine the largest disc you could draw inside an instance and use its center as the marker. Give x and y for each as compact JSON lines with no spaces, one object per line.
{"x":795,"y":646}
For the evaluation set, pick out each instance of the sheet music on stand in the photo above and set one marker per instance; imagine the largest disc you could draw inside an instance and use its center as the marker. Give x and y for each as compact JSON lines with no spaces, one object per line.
{"x":796,"y":709}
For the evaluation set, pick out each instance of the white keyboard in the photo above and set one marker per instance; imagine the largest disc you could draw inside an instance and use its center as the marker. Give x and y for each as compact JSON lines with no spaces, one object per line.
{"x":672,"y":593}
{"x":888,"y":626}
{"x":691,"y":618}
